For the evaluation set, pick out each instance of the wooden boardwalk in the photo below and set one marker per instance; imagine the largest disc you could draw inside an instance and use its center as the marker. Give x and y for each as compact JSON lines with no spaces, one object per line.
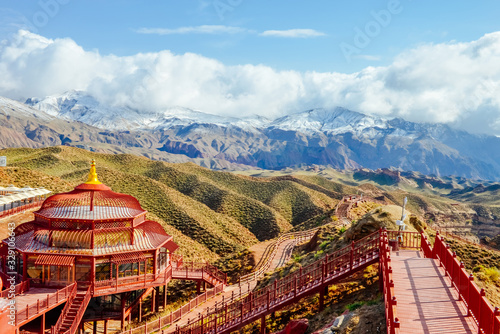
{"x":426,"y":301}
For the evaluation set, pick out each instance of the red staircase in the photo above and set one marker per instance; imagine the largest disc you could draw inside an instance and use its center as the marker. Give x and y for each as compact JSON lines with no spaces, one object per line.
{"x":72,"y":313}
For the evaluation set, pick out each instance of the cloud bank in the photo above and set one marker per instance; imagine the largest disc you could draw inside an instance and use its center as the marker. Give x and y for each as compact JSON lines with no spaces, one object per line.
{"x":204,"y":29}
{"x":457,"y":83}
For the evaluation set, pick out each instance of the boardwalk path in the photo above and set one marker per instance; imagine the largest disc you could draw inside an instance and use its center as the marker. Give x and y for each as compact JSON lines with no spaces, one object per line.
{"x":283,"y":254}
{"x":426,"y":302}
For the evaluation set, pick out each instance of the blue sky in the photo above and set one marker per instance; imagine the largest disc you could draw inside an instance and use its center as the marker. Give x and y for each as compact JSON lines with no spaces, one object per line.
{"x":111,"y":27}
{"x":423,"y":61}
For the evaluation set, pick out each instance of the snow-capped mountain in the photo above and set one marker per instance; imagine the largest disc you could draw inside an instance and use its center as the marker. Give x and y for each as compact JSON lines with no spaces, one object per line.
{"x":338,"y":120}
{"x":14,"y":108}
{"x":79,"y":106}
{"x":337,"y":137}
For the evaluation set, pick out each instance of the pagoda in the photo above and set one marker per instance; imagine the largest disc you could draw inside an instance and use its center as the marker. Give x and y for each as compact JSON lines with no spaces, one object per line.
{"x":92,"y":247}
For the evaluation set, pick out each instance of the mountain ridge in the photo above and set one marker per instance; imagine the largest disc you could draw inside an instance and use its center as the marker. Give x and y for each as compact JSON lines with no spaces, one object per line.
{"x":338,"y":138}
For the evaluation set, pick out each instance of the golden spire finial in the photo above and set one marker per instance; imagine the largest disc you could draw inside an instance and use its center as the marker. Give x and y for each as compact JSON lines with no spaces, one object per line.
{"x":92,"y":175}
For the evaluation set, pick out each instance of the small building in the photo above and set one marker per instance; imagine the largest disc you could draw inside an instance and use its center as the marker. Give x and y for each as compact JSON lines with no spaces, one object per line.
{"x":14,"y":199}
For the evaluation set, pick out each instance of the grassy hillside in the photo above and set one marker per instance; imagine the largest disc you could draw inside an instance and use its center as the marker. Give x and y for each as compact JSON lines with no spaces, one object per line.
{"x":210,"y":213}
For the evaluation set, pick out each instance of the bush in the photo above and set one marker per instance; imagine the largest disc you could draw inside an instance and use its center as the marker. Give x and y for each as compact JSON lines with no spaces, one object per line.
{"x":492,"y":273}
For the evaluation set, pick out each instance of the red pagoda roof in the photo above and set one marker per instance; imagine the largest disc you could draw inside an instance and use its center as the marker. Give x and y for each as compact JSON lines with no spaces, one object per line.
{"x":90,"y":205}
{"x":90,"y":201}
{"x":149,"y":235}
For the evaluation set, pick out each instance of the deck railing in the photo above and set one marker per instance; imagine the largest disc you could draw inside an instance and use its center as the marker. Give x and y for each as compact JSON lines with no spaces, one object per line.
{"x":199,"y":270}
{"x":405,"y":239}
{"x":133,"y":282}
{"x":387,"y":282}
{"x":486,"y":317}
{"x":174,"y":316}
{"x":21,"y":208}
{"x":18,"y":289}
{"x":33,"y":310}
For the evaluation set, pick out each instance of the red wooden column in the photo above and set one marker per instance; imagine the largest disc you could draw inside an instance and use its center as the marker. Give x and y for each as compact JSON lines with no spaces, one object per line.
{"x":165,"y":297}
{"x":106,"y":326}
{"x":42,"y":325}
{"x":123,"y":311}
{"x":140,"y":310}
{"x":263,"y":325}
{"x":25,"y":266}
{"x":153,"y":298}
{"x":95,"y":328}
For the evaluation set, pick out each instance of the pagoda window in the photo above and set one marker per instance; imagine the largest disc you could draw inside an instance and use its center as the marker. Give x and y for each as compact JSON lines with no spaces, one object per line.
{"x":112,"y":238}
{"x":82,"y":269}
{"x":103,"y":271}
{"x":57,"y":275}
{"x":150,"y":265}
{"x":34,"y":271}
{"x":163,"y":258}
{"x":125,"y":270}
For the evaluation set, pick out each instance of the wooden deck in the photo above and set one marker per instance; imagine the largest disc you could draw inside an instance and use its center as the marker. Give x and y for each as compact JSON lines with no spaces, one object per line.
{"x":426,"y":302}
{"x":30,"y":297}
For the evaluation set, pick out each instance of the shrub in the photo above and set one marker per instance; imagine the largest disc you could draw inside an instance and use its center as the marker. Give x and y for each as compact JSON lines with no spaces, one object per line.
{"x":355,"y":305}
{"x":492,"y":273}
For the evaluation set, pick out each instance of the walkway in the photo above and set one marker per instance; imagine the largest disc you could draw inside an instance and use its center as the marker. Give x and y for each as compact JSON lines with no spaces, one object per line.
{"x":283,"y":254}
{"x":426,"y":302}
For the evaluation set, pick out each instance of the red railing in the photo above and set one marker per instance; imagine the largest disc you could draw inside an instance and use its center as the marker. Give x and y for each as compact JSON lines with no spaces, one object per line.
{"x":307,"y":280}
{"x":174,"y":316}
{"x":79,"y":313}
{"x":134,"y":282}
{"x":390,"y":301}
{"x":405,"y":239}
{"x":18,"y":289}
{"x":21,"y":208}
{"x":486,"y":317}
{"x":33,"y":310}
{"x":57,"y":326}
{"x":196,"y":270}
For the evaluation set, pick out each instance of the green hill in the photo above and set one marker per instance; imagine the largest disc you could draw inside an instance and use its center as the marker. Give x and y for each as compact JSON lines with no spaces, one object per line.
{"x":210,"y":213}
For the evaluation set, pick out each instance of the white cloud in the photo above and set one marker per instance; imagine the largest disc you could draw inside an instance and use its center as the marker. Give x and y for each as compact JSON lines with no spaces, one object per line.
{"x":368,"y":57}
{"x":293,"y":33}
{"x":456,"y":83}
{"x":204,"y":29}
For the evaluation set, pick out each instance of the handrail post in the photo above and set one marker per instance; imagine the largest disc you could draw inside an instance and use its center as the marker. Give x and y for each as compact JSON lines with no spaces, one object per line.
{"x":469,"y":285}
{"x":352,"y":254}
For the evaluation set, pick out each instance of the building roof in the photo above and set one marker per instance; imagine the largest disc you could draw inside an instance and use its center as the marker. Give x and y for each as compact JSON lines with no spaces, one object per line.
{"x":148,"y":236}
{"x":90,"y":201}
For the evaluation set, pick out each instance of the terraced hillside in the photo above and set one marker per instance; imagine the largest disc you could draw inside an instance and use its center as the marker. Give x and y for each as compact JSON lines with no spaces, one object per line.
{"x":209,"y":213}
